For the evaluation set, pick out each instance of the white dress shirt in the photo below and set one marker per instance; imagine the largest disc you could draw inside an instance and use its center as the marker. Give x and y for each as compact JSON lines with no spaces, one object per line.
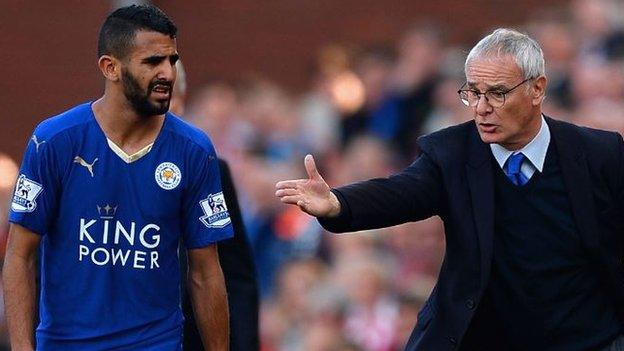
{"x":534,"y":151}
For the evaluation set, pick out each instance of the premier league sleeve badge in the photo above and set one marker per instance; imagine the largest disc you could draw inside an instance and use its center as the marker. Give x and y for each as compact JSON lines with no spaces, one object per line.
{"x":26,"y":192}
{"x":215,"y":211}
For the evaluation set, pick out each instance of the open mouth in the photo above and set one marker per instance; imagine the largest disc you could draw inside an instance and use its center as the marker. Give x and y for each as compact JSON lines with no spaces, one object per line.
{"x":161,"y":91}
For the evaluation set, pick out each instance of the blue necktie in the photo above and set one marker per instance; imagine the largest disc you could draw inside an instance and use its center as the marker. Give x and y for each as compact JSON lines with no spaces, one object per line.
{"x":512,"y":169}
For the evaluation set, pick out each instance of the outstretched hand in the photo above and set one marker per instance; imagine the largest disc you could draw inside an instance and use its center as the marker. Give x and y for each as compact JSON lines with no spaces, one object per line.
{"x":312,"y":195}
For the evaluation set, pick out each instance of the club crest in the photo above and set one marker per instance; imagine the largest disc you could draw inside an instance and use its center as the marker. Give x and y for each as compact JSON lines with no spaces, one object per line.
{"x":26,"y":192}
{"x":168,"y":175}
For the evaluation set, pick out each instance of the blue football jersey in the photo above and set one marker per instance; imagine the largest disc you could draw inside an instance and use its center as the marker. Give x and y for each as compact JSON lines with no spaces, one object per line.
{"x":110,"y":227}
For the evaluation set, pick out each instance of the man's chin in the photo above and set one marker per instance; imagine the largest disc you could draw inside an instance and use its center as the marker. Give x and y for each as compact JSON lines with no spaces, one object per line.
{"x":162,"y":110}
{"x":489,"y":138}
{"x":152,"y":109}
{"x":160,"y":107}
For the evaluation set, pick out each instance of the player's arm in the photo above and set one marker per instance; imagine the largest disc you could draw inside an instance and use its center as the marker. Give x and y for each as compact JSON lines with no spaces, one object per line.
{"x":18,"y":277}
{"x":207,"y":290}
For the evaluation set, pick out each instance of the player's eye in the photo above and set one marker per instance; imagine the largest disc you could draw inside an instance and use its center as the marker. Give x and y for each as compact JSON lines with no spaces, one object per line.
{"x":154,"y":60}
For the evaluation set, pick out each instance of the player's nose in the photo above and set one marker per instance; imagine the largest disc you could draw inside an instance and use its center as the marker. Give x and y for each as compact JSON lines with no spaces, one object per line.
{"x":166,"y":72}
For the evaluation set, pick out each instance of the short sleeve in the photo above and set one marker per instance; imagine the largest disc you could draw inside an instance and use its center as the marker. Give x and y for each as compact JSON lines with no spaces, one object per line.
{"x":35,"y":198}
{"x":205,"y":212}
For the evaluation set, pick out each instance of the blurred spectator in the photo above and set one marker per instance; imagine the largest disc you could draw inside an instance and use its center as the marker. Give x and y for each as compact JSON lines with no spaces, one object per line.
{"x":446,"y":111}
{"x":413,"y":82}
{"x":257,"y":177}
{"x":214,"y":109}
{"x":373,"y":67}
{"x":365,"y":156}
{"x":319,"y":112}
{"x":599,"y":28}
{"x":372,"y":311}
{"x":271,"y":115}
{"x":558,"y":45}
{"x":592,"y":81}
{"x":418,"y":249}
{"x":409,"y":306}
{"x":289,"y":314}
{"x":603,"y":114}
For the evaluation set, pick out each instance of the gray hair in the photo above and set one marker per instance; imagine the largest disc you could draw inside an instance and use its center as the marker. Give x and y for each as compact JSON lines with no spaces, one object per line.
{"x":503,"y":41}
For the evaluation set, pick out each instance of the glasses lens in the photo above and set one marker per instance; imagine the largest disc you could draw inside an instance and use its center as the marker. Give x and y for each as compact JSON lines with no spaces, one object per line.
{"x":471,"y":98}
{"x":464,"y":97}
{"x":495,"y":98}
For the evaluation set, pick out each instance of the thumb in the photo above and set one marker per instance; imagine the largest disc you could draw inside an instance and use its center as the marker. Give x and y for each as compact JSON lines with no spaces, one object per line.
{"x":310,"y":167}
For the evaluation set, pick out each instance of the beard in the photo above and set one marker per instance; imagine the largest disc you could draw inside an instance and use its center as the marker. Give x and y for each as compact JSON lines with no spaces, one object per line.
{"x":140,"y":100}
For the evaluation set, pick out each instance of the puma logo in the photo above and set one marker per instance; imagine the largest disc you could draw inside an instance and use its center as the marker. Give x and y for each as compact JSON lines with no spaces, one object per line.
{"x":37,"y":143}
{"x":84,"y":163}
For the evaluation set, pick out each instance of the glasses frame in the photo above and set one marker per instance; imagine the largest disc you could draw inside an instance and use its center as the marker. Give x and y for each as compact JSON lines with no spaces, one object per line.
{"x":466,"y":102}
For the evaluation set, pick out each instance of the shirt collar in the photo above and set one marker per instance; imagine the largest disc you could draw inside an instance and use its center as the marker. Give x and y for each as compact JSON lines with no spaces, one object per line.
{"x":535,"y":150}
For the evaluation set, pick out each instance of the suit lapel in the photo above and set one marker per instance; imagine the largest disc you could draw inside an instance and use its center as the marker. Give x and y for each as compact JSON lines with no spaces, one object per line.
{"x":575,"y":172}
{"x":481,"y":185}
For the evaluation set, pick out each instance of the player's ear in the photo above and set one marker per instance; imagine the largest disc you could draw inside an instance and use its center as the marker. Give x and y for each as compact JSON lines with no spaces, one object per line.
{"x":110,"y":67}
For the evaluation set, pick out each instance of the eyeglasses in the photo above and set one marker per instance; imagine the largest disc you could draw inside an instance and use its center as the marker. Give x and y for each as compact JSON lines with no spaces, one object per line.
{"x":496,"y":98}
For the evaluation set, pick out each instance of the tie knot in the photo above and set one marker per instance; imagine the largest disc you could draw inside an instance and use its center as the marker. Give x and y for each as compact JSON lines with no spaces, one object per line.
{"x":514,"y":162}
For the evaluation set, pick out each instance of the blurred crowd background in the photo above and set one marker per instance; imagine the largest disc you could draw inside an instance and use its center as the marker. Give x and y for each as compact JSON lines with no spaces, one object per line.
{"x":360,"y":113}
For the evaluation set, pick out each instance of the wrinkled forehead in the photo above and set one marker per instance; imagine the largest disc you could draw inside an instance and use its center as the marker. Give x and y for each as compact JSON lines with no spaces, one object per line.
{"x":492,"y":69}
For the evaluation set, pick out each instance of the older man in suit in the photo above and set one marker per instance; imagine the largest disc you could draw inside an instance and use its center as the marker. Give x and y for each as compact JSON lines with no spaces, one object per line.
{"x":532,"y":207}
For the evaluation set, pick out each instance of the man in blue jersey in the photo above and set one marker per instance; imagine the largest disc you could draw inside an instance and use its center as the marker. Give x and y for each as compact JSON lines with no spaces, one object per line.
{"x":105,"y":192}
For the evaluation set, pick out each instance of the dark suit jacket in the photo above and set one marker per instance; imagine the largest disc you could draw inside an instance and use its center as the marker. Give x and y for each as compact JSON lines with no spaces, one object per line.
{"x":453,"y":178}
{"x":240,"y":281}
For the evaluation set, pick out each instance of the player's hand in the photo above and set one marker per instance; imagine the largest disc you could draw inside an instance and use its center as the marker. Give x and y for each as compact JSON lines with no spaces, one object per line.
{"x":312,"y":195}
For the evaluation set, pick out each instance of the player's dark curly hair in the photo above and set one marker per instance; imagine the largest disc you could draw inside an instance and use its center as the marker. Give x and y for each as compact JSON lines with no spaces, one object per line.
{"x":119,"y":29}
